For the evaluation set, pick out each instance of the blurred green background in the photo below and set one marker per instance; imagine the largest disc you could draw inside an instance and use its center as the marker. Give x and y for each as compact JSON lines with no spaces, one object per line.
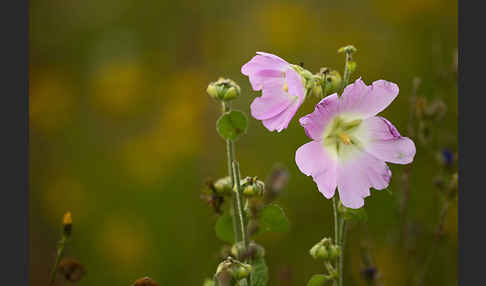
{"x":122,"y":133}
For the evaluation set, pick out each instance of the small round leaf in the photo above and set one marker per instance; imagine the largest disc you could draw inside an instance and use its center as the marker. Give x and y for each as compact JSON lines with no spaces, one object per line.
{"x":231,"y":125}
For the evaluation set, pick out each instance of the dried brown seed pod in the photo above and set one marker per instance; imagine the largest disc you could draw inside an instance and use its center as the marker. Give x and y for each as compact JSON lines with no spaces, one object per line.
{"x":71,"y":269}
{"x":145,"y":281}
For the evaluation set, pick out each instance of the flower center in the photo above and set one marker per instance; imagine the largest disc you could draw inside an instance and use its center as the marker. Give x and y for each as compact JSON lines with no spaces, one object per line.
{"x":341,"y":133}
{"x":285,"y":87}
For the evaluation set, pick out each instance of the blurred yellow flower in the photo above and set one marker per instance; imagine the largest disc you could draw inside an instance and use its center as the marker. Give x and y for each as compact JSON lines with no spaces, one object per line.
{"x":118,"y":86}
{"x":286,"y":24}
{"x":175,"y":134}
{"x":399,"y":11}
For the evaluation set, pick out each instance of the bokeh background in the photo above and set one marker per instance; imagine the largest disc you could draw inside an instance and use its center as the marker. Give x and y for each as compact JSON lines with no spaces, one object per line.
{"x":122,"y":133}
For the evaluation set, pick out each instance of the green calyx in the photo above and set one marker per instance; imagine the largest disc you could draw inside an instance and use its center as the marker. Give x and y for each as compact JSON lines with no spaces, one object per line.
{"x":325,"y":250}
{"x":223,"y":89}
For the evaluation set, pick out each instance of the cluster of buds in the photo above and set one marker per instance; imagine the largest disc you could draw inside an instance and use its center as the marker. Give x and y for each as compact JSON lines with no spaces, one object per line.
{"x":231,"y":269}
{"x":223,"y":89}
{"x":240,"y":252}
{"x":252,"y":187}
{"x":325,"y":250}
{"x":330,"y":81}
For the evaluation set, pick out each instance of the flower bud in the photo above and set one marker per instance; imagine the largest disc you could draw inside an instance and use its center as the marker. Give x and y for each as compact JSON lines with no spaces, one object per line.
{"x":252,"y":186}
{"x":319,"y":251}
{"x":241,"y":271}
{"x":333,"y":82}
{"x":334,"y":251}
{"x":223,"y":89}
{"x":317,"y":90}
{"x":254,"y":250}
{"x":67,"y":224}
{"x":347,"y":49}
{"x":223,"y":186}
{"x":323,"y":250}
{"x":238,"y":250}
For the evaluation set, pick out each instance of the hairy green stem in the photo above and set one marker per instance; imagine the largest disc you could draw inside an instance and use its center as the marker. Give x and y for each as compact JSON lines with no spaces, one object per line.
{"x":347,"y":72}
{"x":60,"y":251}
{"x":230,"y":154}
{"x":239,"y":202}
{"x":336,"y":232}
{"x":342,"y":237}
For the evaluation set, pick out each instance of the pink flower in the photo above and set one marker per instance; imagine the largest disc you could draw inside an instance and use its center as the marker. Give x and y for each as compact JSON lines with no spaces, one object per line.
{"x":282,"y":90}
{"x":351,"y":144}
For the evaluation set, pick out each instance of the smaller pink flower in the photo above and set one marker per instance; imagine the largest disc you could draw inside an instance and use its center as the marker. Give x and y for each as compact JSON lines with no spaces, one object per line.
{"x":282,"y":90}
{"x":351,"y":144}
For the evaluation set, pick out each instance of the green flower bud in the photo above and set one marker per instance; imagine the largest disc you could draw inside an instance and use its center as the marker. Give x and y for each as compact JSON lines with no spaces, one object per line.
{"x":224,"y":266}
{"x":252,"y":186}
{"x":315,"y":250}
{"x":333,"y":82}
{"x":223,"y":89}
{"x":319,"y":251}
{"x":325,"y":250}
{"x":347,"y":49}
{"x":238,"y":251}
{"x":241,"y":271}
{"x":254,"y":250}
{"x":317,"y":91}
{"x":223,"y":186}
{"x":334,"y":251}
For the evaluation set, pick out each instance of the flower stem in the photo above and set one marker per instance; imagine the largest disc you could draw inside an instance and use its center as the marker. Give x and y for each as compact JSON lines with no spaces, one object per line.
{"x":60,"y":251}
{"x":239,"y":203}
{"x":342,"y":237}
{"x":230,"y":154}
{"x":336,"y":233}
{"x":347,"y":72}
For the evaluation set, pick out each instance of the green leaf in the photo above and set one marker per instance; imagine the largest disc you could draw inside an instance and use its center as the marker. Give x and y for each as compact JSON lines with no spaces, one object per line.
{"x":231,"y":125}
{"x":273,"y":218}
{"x":317,"y":280}
{"x":224,"y":228}
{"x":259,"y":272}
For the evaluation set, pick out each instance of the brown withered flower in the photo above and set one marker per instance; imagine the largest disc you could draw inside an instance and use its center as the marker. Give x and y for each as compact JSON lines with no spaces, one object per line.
{"x":145,"y":281}
{"x":71,"y":269}
{"x":211,"y":196}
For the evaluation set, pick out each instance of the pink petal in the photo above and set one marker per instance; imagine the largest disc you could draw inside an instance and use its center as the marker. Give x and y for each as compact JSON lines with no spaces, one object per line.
{"x":274,"y":100}
{"x":272,"y":56}
{"x":316,"y":122}
{"x":357,"y":173}
{"x":263,"y":66}
{"x":282,"y":120}
{"x":313,"y":160}
{"x":295,"y":84}
{"x":386,"y":143}
{"x":366,"y":101}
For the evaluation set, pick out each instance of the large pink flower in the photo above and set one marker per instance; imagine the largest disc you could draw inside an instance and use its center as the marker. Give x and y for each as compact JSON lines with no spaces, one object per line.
{"x":282,"y":90}
{"x":351,"y":144}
